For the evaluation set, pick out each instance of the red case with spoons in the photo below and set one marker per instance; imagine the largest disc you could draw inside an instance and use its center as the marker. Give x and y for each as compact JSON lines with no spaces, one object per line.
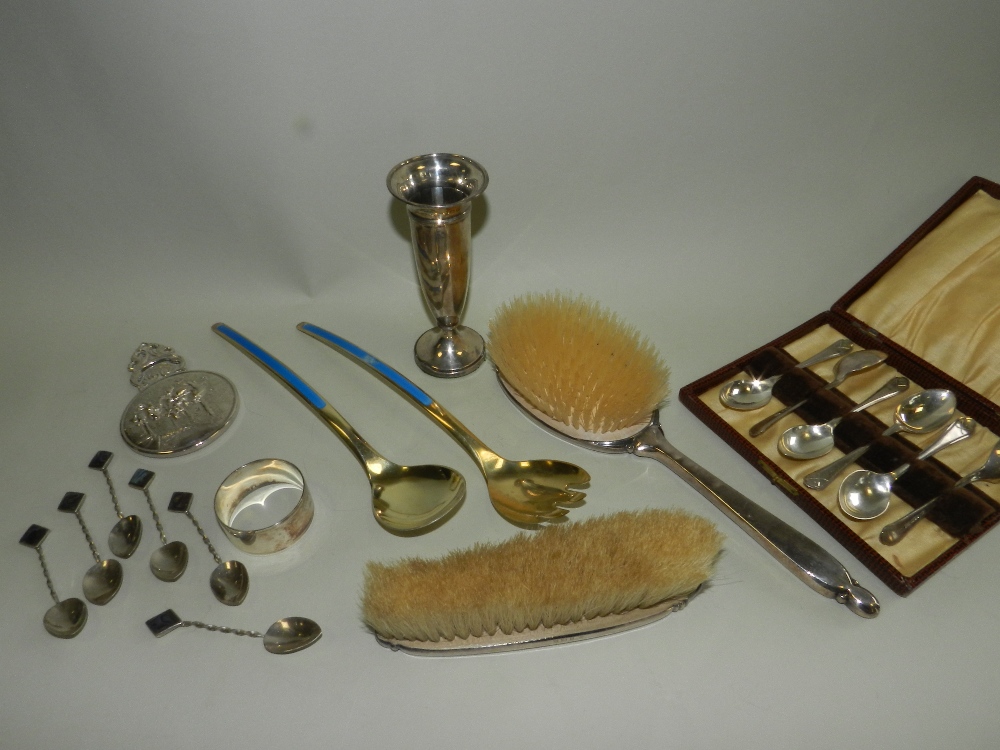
{"x":928,"y":306}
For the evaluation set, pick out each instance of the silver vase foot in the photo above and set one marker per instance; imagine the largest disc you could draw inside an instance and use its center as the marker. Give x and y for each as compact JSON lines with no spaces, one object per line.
{"x":449,"y":352}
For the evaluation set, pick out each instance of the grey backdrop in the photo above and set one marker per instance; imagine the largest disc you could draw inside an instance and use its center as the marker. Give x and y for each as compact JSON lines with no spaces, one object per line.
{"x":715,"y":172}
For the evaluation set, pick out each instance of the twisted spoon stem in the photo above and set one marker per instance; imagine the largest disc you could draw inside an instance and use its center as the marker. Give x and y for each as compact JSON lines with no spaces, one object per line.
{"x":90,"y":541}
{"x":220,"y":628}
{"x":48,"y":578}
{"x":114,"y":495}
{"x":156,"y":516}
{"x":204,"y":537}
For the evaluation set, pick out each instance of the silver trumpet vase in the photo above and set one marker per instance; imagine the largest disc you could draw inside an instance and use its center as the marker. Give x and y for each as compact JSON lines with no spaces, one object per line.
{"x":438,"y":190}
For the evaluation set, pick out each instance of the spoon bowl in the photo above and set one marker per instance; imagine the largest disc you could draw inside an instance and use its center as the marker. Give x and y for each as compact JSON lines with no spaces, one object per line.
{"x":291,"y":634}
{"x":169,"y":562}
{"x":925,"y":411}
{"x":102,"y":581}
{"x":807,"y":441}
{"x":230,"y":582}
{"x":65,"y":619}
{"x":752,"y":393}
{"x":411,"y":498}
{"x":125,"y":536}
{"x":864,"y":495}
{"x":748,"y":393}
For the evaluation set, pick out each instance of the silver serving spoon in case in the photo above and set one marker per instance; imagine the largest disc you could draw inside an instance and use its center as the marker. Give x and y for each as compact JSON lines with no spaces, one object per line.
{"x":127,"y":532}
{"x":104,"y":578}
{"x":65,"y":618}
{"x":894,"y":532}
{"x":286,"y":636}
{"x":169,"y":561}
{"x":851,"y":364}
{"x":752,"y":393}
{"x":815,"y":440}
{"x":865,"y":495}
{"x":919,"y":414}
{"x":230,"y":580}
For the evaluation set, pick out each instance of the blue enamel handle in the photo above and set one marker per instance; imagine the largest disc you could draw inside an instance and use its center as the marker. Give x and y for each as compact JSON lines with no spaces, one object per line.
{"x":275,"y":365}
{"x":406,"y":386}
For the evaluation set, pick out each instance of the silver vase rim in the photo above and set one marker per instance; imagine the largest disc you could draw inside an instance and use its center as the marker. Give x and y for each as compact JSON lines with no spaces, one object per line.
{"x":458,"y":172}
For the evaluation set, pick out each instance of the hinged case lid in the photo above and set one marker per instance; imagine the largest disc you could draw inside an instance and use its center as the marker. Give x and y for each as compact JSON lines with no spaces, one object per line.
{"x":937,"y":295}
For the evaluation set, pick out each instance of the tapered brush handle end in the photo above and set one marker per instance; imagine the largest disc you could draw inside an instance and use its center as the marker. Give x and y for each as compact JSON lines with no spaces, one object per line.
{"x":859,"y":600}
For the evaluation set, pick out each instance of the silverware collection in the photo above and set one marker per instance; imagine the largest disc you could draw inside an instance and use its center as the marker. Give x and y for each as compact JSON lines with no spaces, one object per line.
{"x":864,"y":494}
{"x":576,"y":391}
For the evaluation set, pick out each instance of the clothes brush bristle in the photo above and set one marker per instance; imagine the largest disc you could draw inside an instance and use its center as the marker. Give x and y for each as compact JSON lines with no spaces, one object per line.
{"x":561,"y":574}
{"x":577,"y":362}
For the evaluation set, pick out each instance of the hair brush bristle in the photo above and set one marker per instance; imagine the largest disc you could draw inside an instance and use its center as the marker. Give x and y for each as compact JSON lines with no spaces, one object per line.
{"x":559,"y":575}
{"x":577,"y":362}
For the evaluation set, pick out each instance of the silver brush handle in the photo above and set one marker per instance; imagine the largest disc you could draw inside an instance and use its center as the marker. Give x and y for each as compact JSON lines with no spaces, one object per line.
{"x":812,"y":564}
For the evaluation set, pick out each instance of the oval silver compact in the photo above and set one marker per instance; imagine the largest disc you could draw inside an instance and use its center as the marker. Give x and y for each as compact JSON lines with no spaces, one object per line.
{"x":176,"y":411}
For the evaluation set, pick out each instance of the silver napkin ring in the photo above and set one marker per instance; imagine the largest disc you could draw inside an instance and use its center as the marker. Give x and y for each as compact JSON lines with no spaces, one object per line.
{"x":261,"y":492}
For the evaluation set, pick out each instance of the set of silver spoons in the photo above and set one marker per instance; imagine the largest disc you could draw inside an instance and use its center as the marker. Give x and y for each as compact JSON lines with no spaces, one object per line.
{"x":863,"y":495}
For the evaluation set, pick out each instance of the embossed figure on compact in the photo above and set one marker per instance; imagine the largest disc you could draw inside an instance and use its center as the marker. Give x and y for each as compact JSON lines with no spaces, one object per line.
{"x":176,"y":410}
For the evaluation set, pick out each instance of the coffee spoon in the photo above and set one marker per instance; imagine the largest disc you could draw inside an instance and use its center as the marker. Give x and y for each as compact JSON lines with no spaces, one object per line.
{"x":851,"y":364}
{"x":230,"y":580}
{"x":865,"y":495}
{"x":921,"y":413}
{"x":65,"y":618}
{"x":127,"y":533}
{"x":752,"y":393}
{"x":815,"y":440}
{"x":286,"y":636}
{"x":169,"y":561}
{"x":102,"y":581}
{"x":894,"y":532}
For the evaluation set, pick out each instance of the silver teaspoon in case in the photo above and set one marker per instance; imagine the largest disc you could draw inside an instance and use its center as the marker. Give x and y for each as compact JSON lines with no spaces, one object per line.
{"x":865,"y":495}
{"x":753,"y":393}
{"x":921,"y":413}
{"x":894,"y":532}
{"x":851,"y":364}
{"x":814,"y":440}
